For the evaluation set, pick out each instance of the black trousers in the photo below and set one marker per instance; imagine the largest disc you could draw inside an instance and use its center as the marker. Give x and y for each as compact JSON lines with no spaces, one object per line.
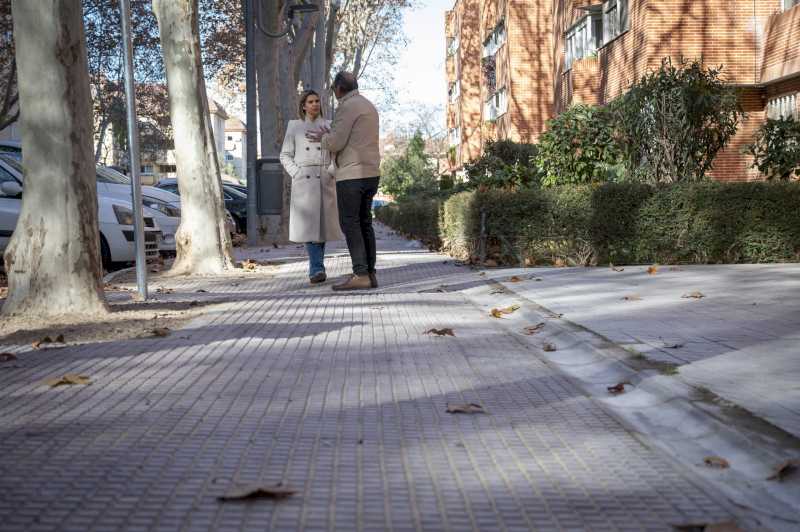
{"x":354,"y":199}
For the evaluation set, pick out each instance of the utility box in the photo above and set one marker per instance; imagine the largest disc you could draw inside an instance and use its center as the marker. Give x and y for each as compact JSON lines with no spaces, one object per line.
{"x":269,"y":182}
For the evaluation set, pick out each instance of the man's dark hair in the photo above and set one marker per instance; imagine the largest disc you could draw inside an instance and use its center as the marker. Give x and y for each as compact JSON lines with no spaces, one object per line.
{"x":346,"y":81}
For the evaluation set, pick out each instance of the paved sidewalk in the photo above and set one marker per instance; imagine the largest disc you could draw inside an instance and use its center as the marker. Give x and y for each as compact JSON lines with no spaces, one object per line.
{"x":741,"y":340}
{"x":341,"y":397}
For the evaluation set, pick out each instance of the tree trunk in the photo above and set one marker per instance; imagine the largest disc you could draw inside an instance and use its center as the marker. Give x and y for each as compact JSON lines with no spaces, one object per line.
{"x":53,"y":259}
{"x":203,"y":243}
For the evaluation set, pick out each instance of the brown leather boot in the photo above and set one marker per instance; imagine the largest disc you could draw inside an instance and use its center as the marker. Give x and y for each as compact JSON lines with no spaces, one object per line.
{"x":373,"y":280}
{"x":355,"y":282}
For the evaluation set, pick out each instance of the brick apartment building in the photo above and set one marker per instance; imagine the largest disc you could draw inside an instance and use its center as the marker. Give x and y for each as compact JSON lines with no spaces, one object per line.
{"x":513,"y":64}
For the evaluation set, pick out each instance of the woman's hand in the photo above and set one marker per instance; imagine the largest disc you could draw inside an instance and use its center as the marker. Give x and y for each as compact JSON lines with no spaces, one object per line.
{"x":315,"y":135}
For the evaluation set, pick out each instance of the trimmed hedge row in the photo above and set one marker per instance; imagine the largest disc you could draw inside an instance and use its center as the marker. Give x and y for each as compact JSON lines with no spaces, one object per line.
{"x":417,"y":218}
{"x":706,"y":222}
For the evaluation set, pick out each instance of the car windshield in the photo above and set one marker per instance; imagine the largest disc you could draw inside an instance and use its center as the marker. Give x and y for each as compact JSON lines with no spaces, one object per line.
{"x":235,"y":194}
{"x":107,"y":175}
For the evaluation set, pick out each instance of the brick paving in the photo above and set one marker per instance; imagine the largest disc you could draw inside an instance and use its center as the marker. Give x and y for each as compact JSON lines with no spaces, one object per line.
{"x":341,"y":397}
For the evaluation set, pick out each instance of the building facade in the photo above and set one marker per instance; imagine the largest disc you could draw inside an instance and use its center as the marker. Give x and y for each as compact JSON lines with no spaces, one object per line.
{"x":236,"y":147}
{"x":590,"y":51}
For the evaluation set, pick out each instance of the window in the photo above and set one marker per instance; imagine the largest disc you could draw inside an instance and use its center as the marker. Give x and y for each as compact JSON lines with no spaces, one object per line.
{"x":228,"y":157}
{"x":495,"y":40}
{"x":230,"y":137}
{"x":454,"y":91}
{"x":615,"y":19}
{"x":584,"y":38}
{"x":783,"y":107}
{"x":455,"y":136}
{"x":789,"y":4}
{"x":167,"y":168}
{"x":497,"y":105}
{"x":147,"y":169}
{"x":452,"y":45}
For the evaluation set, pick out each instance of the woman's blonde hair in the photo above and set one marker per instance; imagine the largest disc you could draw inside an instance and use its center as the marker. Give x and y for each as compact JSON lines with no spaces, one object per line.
{"x":303,"y":97}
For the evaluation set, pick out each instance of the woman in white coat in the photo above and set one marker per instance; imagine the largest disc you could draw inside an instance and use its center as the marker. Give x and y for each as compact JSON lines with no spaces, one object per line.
{"x":313,"y":216}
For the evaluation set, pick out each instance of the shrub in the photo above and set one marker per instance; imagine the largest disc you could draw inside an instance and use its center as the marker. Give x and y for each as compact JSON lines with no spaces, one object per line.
{"x":675,"y":120}
{"x":416,"y":218}
{"x":579,"y":146}
{"x":707,"y":222}
{"x":504,"y":164}
{"x":412,"y":173}
{"x":776,"y":150}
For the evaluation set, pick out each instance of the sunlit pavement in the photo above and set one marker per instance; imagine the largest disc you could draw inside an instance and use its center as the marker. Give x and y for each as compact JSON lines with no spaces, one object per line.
{"x":341,"y":398}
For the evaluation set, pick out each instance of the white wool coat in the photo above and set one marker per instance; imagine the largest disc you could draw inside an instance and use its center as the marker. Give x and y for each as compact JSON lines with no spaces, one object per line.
{"x":313,"y":215}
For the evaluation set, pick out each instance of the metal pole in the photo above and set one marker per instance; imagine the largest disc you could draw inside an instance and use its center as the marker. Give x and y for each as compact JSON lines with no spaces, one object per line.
{"x":133,"y":149}
{"x":252,"y":125}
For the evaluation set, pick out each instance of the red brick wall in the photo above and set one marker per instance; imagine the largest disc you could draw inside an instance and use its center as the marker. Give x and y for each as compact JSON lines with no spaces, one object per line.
{"x":531,"y":103}
{"x":731,"y":163}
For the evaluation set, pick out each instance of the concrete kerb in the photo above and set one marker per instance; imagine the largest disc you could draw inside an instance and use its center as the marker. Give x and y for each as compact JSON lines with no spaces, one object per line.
{"x":687,"y":423}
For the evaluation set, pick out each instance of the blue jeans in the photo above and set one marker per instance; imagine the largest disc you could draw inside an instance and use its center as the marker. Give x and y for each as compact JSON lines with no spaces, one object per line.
{"x":316,"y":257}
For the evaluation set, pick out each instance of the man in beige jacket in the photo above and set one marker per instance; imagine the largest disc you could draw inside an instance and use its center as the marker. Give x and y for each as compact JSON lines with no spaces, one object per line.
{"x":353,"y":143}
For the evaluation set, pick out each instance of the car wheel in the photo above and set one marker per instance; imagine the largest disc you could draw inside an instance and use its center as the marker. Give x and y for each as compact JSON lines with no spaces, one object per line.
{"x":241,"y":225}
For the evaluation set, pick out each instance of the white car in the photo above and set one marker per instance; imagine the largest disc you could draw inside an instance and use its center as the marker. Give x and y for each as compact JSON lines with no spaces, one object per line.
{"x":115,"y":220}
{"x":166,"y":206}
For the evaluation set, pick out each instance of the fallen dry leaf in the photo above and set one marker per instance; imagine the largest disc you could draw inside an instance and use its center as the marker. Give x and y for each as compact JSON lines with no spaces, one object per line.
{"x":784,"y":469}
{"x":471,"y":408}
{"x":249,"y":264}
{"x":440,"y":332}
{"x":60,"y":339}
{"x":68,"y":380}
{"x":498,"y":312}
{"x":554,"y":316}
{"x":38,"y":343}
{"x":614,"y":268}
{"x":201,"y":291}
{"x":533,"y":329}
{"x":243,"y":493}
{"x":673,"y":346}
{"x":515,"y":279}
{"x":162,"y":290}
{"x":618,"y":388}
{"x":652,"y":270}
{"x":548,"y":347}
{"x":161,"y":331}
{"x":716,"y":462}
{"x":497,"y":291}
{"x":482,"y":274}
{"x":7,"y":357}
{"x":632,"y":297}
{"x":694,"y":295}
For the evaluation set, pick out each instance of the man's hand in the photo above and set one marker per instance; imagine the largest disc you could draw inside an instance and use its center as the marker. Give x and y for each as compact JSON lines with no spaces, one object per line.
{"x":317,"y":134}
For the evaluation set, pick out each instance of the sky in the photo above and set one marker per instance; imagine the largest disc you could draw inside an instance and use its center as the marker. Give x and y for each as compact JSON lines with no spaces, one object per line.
{"x":420,"y":73}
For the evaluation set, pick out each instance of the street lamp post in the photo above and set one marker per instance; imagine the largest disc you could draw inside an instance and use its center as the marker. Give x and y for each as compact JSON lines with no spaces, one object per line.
{"x":133,"y":150}
{"x":252,"y":128}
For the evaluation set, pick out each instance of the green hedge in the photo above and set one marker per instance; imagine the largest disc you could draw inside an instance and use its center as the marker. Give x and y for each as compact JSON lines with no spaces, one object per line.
{"x":705,"y":222}
{"x":416,"y":218}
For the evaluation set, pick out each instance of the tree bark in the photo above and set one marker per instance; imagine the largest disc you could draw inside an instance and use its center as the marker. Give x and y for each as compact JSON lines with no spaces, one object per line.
{"x":203,"y":243}
{"x":53,"y":260}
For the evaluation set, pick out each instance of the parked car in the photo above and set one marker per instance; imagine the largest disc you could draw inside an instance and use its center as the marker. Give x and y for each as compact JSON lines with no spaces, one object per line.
{"x":11,"y":148}
{"x":165,"y":205}
{"x":115,"y":219}
{"x":235,"y":201}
